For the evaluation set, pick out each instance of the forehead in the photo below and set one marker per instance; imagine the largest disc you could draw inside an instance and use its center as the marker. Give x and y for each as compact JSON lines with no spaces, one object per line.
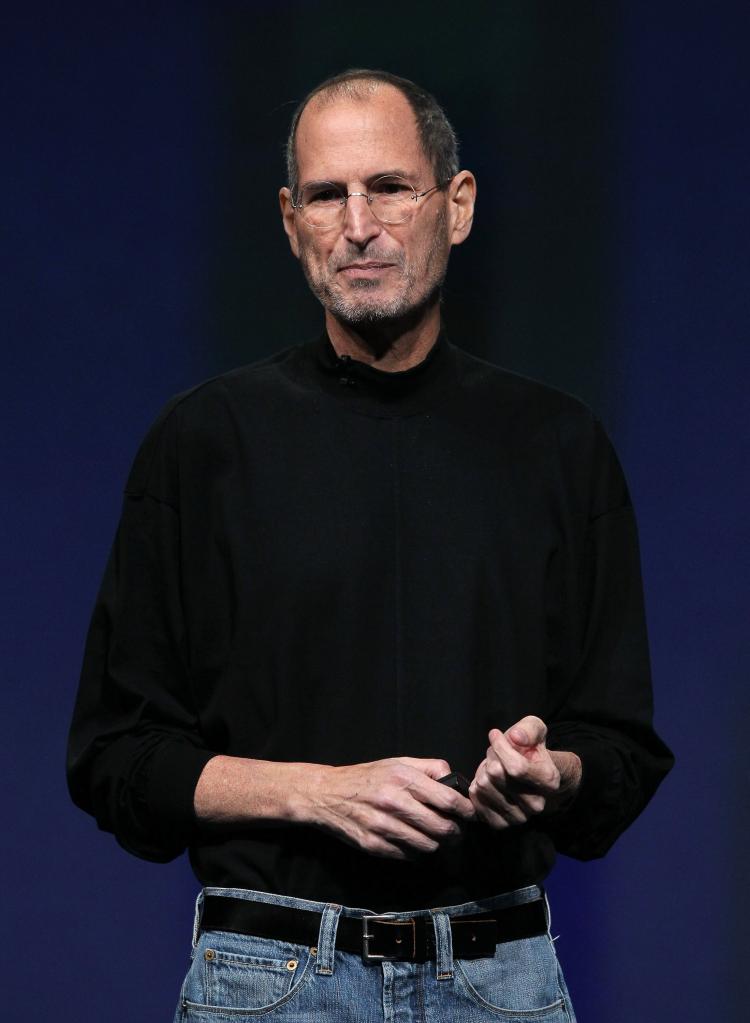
{"x":345,"y":138}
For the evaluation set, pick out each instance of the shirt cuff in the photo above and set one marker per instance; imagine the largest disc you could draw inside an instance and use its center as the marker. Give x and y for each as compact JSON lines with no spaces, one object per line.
{"x":587,"y":826}
{"x":173,"y":774}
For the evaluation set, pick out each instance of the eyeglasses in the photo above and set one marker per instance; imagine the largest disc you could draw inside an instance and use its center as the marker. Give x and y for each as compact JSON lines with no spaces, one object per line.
{"x":390,"y":198}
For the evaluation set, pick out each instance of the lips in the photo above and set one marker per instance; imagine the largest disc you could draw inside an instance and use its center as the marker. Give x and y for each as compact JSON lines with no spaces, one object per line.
{"x":369,"y":265}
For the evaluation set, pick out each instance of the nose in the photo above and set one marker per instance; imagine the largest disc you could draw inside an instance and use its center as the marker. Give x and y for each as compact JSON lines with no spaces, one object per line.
{"x":360,"y":225}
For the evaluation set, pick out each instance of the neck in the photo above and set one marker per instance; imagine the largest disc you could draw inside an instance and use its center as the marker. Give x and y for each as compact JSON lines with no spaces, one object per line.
{"x":393,"y":345}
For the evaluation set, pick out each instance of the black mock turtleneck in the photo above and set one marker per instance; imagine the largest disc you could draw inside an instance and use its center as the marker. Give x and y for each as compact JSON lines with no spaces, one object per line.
{"x":370,"y":391}
{"x":321,"y":561}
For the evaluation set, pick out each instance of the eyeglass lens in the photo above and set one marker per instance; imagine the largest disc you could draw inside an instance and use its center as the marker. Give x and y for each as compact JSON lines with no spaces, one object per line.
{"x":391,"y":199}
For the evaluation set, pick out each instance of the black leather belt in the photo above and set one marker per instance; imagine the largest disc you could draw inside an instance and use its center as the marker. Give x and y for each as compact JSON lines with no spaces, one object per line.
{"x":377,"y":938}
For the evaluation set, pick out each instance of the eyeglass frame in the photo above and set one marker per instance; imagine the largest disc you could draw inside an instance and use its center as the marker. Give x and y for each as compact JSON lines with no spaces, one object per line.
{"x":346,"y":196}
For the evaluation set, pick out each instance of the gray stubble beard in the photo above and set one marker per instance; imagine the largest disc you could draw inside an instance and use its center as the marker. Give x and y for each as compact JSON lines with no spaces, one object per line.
{"x":358,"y":312}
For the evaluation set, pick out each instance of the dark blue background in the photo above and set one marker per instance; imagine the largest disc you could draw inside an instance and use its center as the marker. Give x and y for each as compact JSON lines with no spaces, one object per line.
{"x":142,"y":252}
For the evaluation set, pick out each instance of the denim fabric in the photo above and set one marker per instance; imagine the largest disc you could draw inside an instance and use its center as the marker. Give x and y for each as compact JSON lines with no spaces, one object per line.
{"x":239,"y":977}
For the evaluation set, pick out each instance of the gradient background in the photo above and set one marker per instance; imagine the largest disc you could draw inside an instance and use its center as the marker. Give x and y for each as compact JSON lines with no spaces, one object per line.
{"x":141,"y":158}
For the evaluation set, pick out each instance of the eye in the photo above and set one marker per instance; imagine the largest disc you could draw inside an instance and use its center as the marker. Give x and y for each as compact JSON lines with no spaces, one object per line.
{"x":320,"y":195}
{"x":390,"y":185}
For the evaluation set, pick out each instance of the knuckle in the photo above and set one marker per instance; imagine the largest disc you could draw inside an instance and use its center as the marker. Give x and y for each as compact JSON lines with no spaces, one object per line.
{"x":496,"y":821}
{"x":516,"y":767}
{"x":484,"y":784}
{"x":369,"y":843}
{"x":390,"y":798}
{"x":388,"y":803}
{"x":448,"y":828}
{"x":389,"y":850}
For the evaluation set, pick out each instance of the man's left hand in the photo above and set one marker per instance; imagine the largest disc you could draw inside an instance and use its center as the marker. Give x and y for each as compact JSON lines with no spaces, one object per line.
{"x":520,"y":778}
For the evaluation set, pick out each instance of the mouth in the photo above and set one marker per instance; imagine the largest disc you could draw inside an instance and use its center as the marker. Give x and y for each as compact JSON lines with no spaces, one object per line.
{"x":369,"y":268}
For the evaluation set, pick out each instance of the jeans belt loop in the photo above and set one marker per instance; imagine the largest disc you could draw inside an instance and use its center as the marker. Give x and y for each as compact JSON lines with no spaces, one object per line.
{"x":329,"y":922}
{"x":197,"y":916}
{"x":443,"y":945}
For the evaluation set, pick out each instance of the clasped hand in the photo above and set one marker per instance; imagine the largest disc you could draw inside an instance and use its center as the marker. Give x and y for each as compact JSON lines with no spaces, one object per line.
{"x":519,"y":776}
{"x":397,"y":808}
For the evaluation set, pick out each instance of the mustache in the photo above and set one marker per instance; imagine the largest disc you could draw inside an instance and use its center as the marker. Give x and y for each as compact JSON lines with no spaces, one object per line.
{"x":370,"y":254}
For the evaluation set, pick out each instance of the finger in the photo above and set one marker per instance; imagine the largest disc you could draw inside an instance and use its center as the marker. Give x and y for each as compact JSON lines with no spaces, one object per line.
{"x":381,"y":834}
{"x":504,"y":760}
{"x":529,"y":731}
{"x":442,"y":799}
{"x":376,"y":846}
{"x":520,"y":806}
{"x":502,"y":810}
{"x":496,"y":820}
{"x":433,"y":768}
{"x":408,"y":795}
{"x":493,"y":807}
{"x":406,"y":807}
{"x":529,"y":800}
{"x":425,"y":787}
{"x":533,"y":772}
{"x":485,"y":791}
{"x":411,"y":834}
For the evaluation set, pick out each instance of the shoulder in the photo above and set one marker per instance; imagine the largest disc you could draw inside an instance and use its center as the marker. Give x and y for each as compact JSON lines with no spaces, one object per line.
{"x":261,"y":379}
{"x":522,"y":400}
{"x":546,"y":427}
{"x":205,"y":409}
{"x":262,"y":382}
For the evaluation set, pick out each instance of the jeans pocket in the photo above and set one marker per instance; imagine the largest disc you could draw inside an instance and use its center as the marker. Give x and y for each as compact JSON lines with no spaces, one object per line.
{"x":235,"y":975}
{"x":519,"y":983}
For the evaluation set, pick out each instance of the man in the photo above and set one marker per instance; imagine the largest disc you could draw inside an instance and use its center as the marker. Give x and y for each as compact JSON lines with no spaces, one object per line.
{"x":341,"y":573}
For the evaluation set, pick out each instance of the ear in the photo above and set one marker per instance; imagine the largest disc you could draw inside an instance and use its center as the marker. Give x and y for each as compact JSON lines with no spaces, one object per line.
{"x":462,"y":194}
{"x":288,"y":219}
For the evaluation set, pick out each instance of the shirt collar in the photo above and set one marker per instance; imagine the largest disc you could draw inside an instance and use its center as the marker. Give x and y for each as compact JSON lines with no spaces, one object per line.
{"x":368,"y":390}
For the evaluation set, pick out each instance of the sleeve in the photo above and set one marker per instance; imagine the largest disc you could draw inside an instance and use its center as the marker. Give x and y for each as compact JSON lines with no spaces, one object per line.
{"x":599,"y":660}
{"x":135,"y":752}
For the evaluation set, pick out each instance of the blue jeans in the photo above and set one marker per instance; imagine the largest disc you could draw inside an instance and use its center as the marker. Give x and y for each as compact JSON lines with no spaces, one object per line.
{"x":240,"y":977}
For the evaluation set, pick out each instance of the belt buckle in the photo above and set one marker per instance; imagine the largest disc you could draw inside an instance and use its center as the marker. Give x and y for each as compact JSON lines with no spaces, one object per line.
{"x":367,"y":937}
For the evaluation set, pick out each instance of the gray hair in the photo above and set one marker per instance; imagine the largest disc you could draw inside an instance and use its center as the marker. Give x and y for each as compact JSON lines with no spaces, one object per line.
{"x":436,"y":134}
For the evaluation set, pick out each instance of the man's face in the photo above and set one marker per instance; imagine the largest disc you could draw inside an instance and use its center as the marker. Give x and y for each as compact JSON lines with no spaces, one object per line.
{"x":363,"y":271}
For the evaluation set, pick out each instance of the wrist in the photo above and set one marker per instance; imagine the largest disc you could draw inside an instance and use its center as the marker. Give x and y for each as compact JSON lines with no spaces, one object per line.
{"x":300,"y":783}
{"x":571,"y":771}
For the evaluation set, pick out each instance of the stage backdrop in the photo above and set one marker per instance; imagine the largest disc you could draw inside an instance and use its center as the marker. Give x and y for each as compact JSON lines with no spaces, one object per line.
{"x":143,"y":252}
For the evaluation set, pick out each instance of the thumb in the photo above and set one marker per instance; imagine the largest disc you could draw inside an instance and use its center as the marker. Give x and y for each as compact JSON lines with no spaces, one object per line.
{"x":519,"y":736}
{"x":432,"y":767}
{"x":529,"y":731}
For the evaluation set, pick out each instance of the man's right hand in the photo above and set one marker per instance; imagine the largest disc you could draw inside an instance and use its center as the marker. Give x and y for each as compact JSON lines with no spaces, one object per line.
{"x":393,"y":808}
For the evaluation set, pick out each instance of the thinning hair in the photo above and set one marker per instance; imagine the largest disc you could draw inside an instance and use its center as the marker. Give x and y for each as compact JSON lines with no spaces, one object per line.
{"x":436,"y":134}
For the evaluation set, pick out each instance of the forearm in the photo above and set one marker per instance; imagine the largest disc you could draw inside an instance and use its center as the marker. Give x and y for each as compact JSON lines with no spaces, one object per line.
{"x":238,"y":789}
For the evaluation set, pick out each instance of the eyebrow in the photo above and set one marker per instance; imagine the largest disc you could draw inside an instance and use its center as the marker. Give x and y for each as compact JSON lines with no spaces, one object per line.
{"x":394,"y":172}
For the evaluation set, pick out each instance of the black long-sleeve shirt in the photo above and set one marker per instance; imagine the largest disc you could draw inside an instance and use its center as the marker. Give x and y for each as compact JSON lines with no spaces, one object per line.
{"x":319,"y":561}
